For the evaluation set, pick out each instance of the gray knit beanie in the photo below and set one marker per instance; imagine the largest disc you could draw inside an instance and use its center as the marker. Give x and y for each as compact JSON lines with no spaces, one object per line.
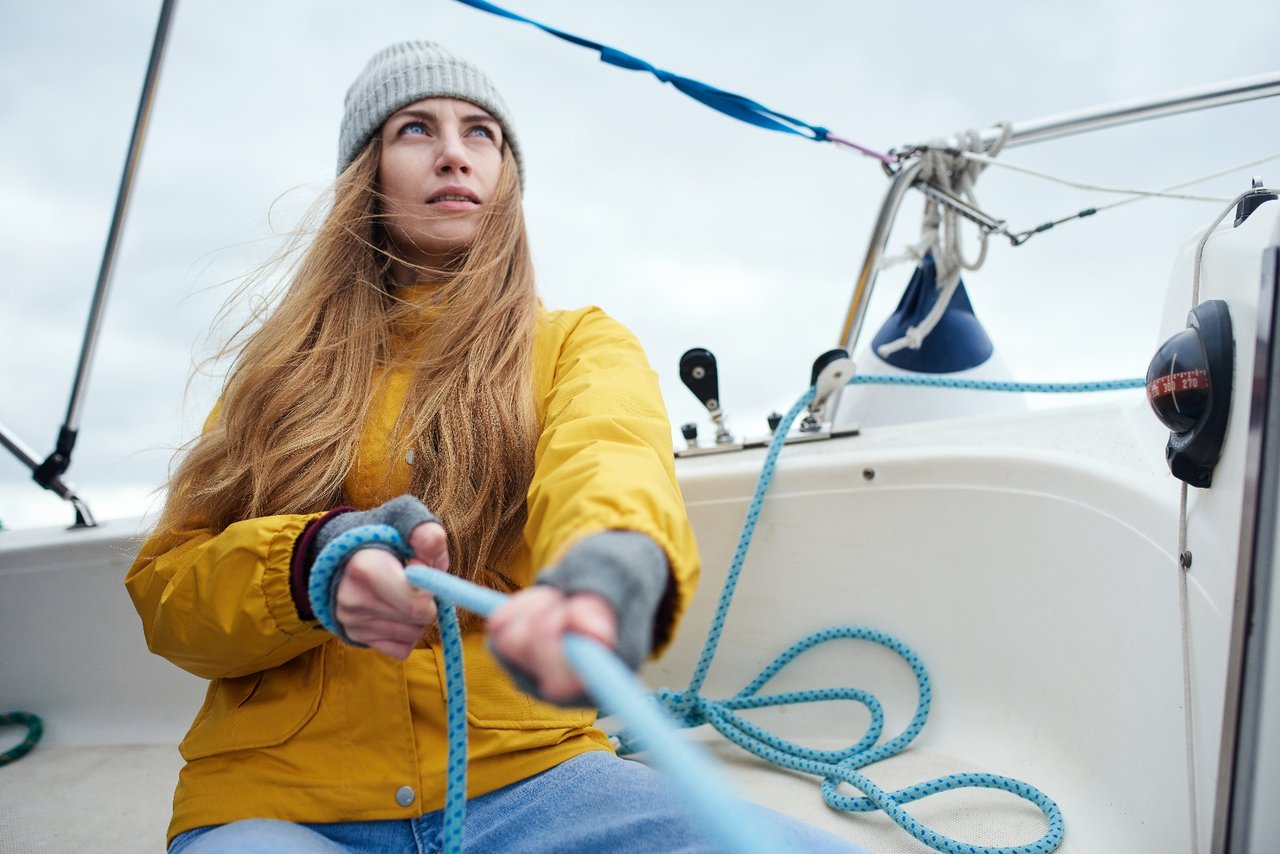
{"x":397,"y":76}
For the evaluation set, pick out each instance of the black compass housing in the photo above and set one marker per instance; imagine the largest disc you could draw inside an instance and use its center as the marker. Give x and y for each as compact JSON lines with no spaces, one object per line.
{"x":1189,"y":388}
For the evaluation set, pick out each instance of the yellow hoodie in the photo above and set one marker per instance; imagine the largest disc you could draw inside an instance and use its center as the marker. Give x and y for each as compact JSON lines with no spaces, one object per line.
{"x":299,"y":726}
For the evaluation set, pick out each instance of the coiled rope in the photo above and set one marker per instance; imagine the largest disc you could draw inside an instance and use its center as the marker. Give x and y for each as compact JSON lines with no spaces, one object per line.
{"x":690,"y":708}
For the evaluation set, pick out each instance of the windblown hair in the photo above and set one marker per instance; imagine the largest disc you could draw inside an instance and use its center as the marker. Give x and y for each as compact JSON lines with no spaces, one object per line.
{"x":301,"y":388}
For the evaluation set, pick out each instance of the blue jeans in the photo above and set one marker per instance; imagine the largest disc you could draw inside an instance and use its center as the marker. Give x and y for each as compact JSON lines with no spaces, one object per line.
{"x":594,"y":802}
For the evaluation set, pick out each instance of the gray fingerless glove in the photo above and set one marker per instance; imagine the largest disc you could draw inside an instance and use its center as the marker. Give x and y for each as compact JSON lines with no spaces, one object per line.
{"x":630,"y":572}
{"x":404,"y":514}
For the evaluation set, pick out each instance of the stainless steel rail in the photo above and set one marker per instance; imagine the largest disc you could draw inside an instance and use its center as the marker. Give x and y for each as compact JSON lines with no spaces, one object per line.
{"x":1140,"y":110}
{"x":64,"y":490}
{"x":1039,"y":130}
{"x":857,"y":314}
{"x":49,"y":473}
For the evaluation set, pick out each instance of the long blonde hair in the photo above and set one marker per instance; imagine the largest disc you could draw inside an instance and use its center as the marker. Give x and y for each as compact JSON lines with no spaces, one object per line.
{"x":289,"y":422}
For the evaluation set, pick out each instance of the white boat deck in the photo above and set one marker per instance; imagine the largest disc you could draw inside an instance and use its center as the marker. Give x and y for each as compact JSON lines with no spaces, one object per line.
{"x":833,"y":548}
{"x":69,"y":800}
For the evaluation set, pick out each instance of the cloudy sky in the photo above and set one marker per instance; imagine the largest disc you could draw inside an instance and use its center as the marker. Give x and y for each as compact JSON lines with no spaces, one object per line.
{"x":693,"y":229}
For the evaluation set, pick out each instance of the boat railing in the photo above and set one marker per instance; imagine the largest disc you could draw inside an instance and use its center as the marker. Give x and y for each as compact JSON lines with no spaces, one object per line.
{"x":49,"y":472}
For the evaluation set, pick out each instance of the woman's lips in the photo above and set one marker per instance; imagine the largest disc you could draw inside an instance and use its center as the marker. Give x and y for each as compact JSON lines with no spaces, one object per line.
{"x":453,"y":199}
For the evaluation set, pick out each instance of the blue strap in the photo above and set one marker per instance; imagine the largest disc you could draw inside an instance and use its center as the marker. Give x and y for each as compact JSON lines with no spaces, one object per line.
{"x":737,"y":106}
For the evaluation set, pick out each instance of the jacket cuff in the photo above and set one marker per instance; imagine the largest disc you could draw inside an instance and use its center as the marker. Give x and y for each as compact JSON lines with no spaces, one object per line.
{"x":304,"y":555}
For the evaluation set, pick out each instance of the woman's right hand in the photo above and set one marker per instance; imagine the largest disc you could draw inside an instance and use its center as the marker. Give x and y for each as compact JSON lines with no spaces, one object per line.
{"x":376,"y":604}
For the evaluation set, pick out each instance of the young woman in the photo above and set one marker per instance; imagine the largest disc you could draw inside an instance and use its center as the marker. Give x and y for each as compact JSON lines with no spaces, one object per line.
{"x":408,"y":366}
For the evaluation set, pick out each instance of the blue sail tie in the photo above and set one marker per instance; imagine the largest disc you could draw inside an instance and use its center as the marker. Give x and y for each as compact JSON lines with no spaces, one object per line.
{"x":737,"y":106}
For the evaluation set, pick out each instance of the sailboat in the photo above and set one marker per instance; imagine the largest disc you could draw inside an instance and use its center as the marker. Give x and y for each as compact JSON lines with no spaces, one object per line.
{"x":1089,"y":586}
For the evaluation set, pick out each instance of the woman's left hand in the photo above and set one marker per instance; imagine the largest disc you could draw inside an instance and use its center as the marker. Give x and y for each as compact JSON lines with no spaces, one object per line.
{"x":528,"y":630}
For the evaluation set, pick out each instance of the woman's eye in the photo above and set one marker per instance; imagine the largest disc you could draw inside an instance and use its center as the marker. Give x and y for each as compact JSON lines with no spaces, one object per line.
{"x":484,"y":131}
{"x":414,"y":128}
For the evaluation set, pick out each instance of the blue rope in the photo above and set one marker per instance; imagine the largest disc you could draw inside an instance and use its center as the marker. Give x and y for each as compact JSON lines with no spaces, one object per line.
{"x":996,"y":385}
{"x":455,"y":798}
{"x":609,"y":681}
{"x":738,"y":107}
{"x":691,"y":709}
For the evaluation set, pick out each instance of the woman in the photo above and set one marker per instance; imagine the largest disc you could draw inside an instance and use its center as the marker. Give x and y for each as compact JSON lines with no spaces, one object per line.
{"x":410,"y":365}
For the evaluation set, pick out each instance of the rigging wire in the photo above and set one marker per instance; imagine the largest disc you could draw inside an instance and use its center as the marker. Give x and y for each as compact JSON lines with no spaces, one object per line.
{"x":1017,"y":238}
{"x":1135,"y":195}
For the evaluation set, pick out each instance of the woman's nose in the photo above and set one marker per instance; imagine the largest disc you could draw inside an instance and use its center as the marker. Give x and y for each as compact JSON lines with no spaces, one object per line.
{"x":453,"y":156}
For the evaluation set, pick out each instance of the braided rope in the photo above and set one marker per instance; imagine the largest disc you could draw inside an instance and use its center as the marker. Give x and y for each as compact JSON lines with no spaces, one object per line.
{"x":996,"y":385}
{"x":455,"y":799}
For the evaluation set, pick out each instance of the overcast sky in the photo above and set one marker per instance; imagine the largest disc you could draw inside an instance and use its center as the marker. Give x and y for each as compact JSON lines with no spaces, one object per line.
{"x":692,"y":228}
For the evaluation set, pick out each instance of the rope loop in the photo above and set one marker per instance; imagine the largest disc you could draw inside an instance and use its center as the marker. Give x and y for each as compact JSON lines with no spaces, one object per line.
{"x":690,"y":708}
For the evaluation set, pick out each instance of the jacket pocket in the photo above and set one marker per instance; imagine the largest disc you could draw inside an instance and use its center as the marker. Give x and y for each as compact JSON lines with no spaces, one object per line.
{"x":262,"y":709}
{"x":494,"y":701}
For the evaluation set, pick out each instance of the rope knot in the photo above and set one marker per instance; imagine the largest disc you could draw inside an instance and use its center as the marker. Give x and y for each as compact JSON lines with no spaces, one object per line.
{"x":685,"y":706}
{"x":953,"y":171}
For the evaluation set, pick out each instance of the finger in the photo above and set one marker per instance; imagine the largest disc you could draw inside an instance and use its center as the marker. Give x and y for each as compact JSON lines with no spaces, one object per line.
{"x":430,"y":545}
{"x":513,"y":626}
{"x":363,"y":624}
{"x":528,"y":632}
{"x":357,"y":588}
{"x":396,"y":597}
{"x":591,"y":615}
{"x":556,"y":679}
{"x":519,"y":606}
{"x":374,"y":587}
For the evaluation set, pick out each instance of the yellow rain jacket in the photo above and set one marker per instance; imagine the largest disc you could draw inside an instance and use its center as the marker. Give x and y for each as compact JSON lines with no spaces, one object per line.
{"x":299,"y":726}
